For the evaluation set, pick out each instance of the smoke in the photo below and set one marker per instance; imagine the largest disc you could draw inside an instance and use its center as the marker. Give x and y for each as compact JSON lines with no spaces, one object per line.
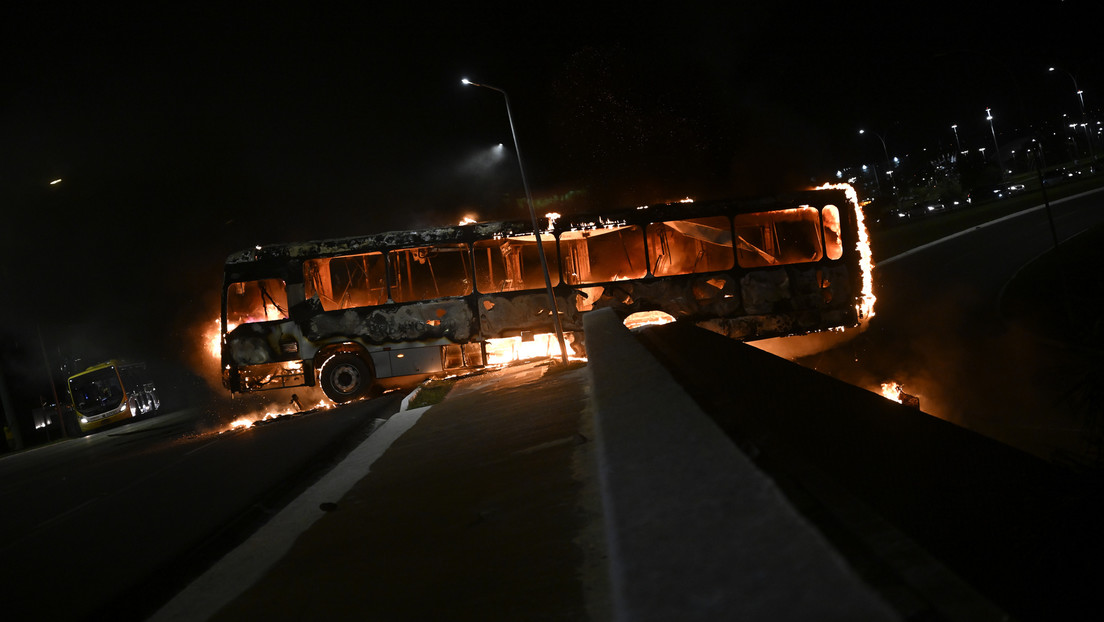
{"x":482,"y":163}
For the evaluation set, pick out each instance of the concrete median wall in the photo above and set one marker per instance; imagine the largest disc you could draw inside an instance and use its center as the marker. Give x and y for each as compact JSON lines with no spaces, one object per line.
{"x":695,"y":530}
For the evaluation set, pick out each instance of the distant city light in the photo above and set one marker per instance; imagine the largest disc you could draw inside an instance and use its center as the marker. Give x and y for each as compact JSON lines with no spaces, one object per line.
{"x":55,"y":182}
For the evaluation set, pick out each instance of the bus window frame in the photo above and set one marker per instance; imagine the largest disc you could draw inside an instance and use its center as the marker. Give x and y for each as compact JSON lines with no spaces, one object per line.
{"x":395,"y":287}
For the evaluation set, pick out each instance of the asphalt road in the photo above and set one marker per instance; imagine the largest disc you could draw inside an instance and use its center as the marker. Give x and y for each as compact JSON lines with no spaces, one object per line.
{"x":111,"y":525}
{"x":938,"y":330}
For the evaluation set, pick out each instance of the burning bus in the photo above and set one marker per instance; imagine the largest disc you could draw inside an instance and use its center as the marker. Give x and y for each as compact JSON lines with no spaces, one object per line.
{"x":347,"y":313}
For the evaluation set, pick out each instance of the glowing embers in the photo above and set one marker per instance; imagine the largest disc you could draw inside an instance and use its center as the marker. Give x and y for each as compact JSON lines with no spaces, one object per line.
{"x":510,"y":349}
{"x":274,"y":413}
{"x":647,"y":318}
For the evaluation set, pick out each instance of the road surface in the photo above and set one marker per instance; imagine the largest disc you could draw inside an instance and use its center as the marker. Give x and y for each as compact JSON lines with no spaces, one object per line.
{"x":112,"y":524}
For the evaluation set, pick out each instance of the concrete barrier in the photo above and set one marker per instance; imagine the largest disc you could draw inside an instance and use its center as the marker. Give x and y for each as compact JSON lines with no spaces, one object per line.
{"x":695,"y":531}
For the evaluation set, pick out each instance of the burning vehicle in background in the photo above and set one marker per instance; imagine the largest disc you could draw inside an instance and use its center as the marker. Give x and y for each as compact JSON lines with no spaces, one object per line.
{"x":349,"y":313}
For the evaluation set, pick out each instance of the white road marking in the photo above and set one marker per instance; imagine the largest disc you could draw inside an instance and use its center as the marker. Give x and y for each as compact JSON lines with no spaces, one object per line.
{"x":245,"y":565}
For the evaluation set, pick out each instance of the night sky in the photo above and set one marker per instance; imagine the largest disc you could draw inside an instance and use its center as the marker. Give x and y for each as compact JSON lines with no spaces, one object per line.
{"x":183,"y":133}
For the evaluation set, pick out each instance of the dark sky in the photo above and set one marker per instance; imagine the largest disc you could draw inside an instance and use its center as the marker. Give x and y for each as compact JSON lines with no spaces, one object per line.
{"x":183,"y":133}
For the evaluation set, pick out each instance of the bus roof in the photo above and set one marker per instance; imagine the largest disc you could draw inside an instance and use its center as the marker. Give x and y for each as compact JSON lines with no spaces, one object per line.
{"x":104,"y":365}
{"x":487,"y":230}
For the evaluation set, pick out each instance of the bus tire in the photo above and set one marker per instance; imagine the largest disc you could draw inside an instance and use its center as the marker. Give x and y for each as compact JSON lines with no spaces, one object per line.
{"x":345,"y":377}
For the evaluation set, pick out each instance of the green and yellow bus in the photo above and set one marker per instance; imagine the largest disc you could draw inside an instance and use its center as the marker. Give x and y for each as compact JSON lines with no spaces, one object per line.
{"x":110,"y":392}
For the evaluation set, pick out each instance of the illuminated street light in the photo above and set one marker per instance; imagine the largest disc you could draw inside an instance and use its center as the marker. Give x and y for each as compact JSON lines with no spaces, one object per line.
{"x":1000,"y":162}
{"x":888,"y":166}
{"x":884,"y":150}
{"x":1081,"y":103}
{"x":533,"y":216}
{"x":954,"y":128}
{"x":1080,"y":93}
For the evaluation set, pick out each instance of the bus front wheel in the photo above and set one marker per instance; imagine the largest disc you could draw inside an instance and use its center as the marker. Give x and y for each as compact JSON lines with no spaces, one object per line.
{"x":345,"y":377}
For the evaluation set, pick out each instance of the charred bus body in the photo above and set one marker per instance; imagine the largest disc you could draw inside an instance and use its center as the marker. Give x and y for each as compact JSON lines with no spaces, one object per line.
{"x":346,"y":312}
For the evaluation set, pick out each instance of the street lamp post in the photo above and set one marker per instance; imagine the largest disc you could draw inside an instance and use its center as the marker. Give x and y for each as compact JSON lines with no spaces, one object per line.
{"x":1080,"y":93}
{"x":888,"y":166}
{"x":536,"y":227}
{"x":1081,"y":104}
{"x":884,"y":150}
{"x":1000,"y":161}
{"x":954,"y":128}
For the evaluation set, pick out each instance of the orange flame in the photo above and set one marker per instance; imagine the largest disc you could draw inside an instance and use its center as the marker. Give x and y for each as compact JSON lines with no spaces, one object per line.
{"x":213,"y":338}
{"x":647,"y":318}
{"x":552,"y":218}
{"x":509,"y":349}
{"x":866,"y":259}
{"x":248,"y":421}
{"x":891,"y":390}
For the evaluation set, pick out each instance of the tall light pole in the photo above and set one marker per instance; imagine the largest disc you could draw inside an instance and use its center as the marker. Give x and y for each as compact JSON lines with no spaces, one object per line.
{"x":884,"y":150}
{"x":1000,"y":162}
{"x":533,"y":216}
{"x":1081,"y":103}
{"x":1080,"y":93}
{"x":954,"y":128}
{"x":888,"y":166}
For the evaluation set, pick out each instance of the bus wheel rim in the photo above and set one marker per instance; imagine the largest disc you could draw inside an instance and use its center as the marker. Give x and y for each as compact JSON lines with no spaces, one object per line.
{"x":345,"y":378}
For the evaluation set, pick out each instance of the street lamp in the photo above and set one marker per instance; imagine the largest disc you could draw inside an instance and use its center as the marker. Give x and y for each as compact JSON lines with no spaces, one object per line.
{"x":1080,"y":93}
{"x":884,"y":150}
{"x":1000,"y":162}
{"x":533,"y":216}
{"x":888,"y":166}
{"x":954,"y":128}
{"x":1081,"y":103}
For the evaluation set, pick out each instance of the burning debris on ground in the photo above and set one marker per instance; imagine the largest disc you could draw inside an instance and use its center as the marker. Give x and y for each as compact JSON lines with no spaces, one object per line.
{"x":896,"y":392}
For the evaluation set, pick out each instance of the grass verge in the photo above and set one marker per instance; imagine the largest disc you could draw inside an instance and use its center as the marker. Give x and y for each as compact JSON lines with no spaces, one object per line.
{"x":433,"y":392}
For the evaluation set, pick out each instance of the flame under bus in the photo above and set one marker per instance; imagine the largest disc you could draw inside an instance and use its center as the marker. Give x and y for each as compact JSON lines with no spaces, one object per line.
{"x":346,"y":312}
